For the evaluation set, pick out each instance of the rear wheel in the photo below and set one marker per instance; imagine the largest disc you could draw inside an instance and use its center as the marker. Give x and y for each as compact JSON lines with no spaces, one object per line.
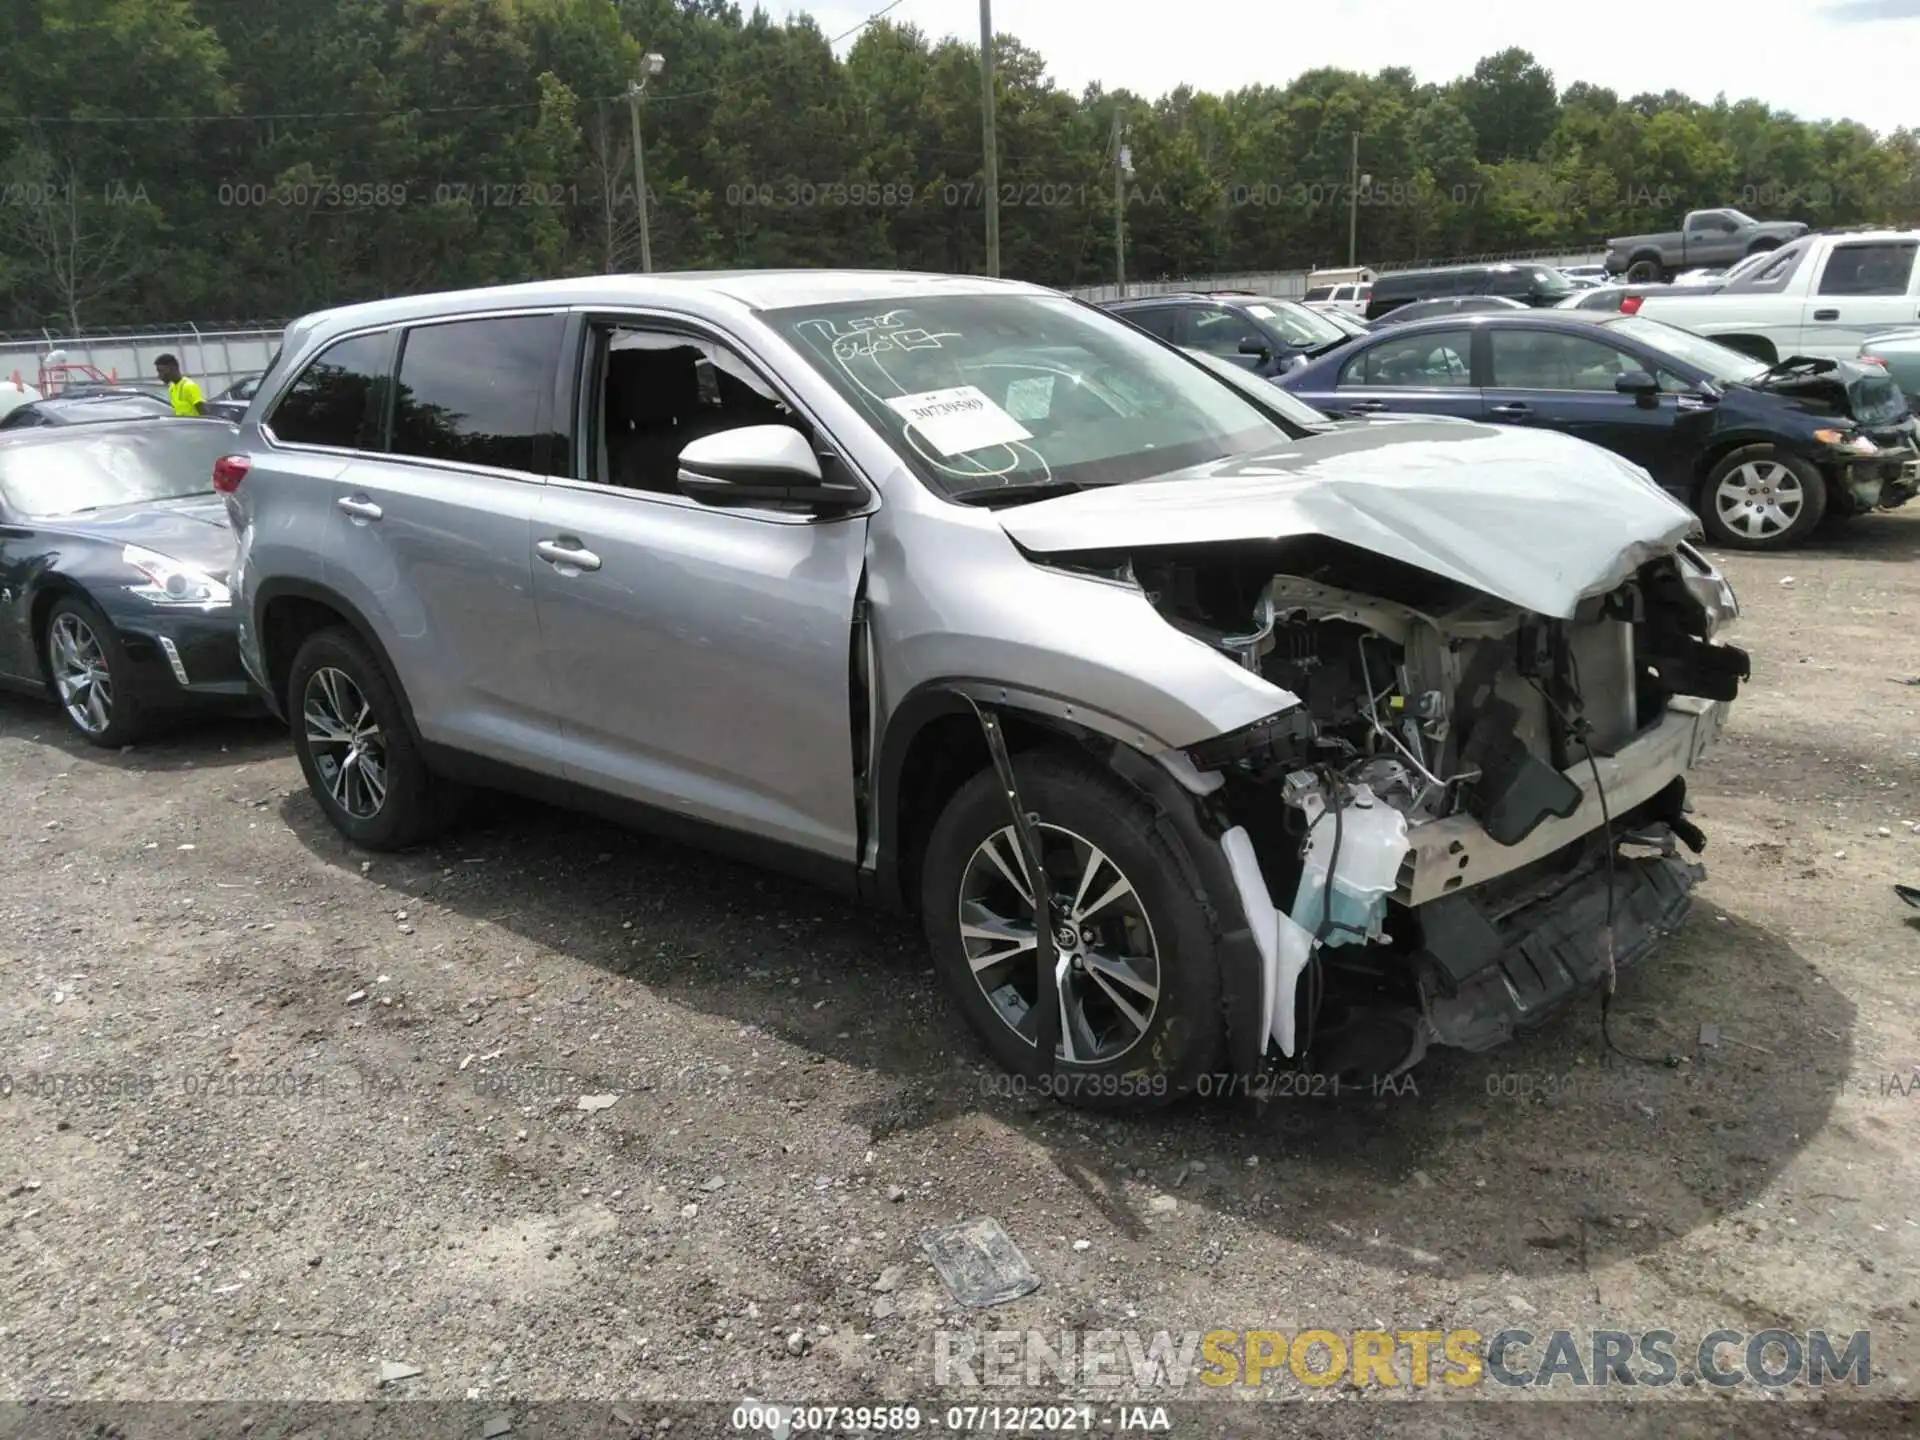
{"x":1136,"y":987}
{"x":90,"y":674}
{"x":1646,"y":272}
{"x":358,"y":755}
{"x":1762,"y":498}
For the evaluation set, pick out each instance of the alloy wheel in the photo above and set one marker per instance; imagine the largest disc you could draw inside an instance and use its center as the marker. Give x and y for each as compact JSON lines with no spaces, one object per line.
{"x":345,"y":741}
{"x":1107,"y":972}
{"x":1760,"y":499}
{"x":80,"y":673}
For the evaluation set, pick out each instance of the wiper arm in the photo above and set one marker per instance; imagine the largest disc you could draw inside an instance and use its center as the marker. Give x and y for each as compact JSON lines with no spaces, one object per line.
{"x":1017,"y":494}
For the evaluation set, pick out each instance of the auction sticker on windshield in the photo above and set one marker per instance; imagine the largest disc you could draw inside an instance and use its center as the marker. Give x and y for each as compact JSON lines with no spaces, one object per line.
{"x":959,"y":419}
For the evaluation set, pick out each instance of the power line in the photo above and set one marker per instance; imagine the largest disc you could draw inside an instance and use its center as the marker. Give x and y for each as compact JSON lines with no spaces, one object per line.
{"x":866,"y":22}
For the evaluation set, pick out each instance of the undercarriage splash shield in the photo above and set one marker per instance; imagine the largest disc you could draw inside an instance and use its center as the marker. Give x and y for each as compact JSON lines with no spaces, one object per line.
{"x":1553,"y":950}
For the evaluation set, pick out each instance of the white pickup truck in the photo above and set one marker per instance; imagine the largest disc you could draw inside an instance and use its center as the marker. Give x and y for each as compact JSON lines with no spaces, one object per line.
{"x":1817,"y":295}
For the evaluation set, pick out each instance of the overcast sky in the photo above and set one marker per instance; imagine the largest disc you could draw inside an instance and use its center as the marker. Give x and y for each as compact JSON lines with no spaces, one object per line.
{"x":1820,"y":59}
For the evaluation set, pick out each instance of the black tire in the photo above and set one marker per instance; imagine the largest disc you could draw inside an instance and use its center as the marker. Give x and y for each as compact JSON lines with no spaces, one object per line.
{"x":413,"y":804}
{"x":1182,"y":1038}
{"x":69,"y":618}
{"x":1646,"y":272}
{"x":1809,"y":508}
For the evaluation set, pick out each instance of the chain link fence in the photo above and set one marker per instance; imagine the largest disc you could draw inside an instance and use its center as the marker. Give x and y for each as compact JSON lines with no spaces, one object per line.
{"x":214,"y":356}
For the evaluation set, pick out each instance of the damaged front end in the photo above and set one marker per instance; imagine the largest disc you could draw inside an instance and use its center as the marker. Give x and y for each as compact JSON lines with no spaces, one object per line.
{"x":1873,"y":451}
{"x":1474,"y":813}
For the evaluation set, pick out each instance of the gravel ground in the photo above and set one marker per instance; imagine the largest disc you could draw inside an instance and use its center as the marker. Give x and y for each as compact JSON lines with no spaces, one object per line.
{"x":320,"y":1111}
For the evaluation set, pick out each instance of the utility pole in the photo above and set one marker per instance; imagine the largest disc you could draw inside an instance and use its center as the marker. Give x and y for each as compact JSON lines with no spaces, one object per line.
{"x":652,"y":65}
{"x":987,"y":138}
{"x":1353,"y":205}
{"x":1119,"y":207}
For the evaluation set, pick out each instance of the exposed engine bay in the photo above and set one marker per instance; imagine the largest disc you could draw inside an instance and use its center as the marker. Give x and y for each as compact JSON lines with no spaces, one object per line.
{"x":1472,"y":813}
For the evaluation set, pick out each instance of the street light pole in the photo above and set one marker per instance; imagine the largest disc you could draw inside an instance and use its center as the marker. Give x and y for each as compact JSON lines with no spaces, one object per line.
{"x":652,"y":64}
{"x":987,"y":138}
{"x":1353,"y":205}
{"x":1122,"y":172}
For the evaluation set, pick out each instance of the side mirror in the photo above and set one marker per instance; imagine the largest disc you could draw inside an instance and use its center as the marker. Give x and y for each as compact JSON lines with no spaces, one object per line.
{"x":1254,"y":345}
{"x":1637,"y":383}
{"x":761,"y":465}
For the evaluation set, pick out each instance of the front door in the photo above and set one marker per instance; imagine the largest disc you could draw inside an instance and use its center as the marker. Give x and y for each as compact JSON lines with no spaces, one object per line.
{"x":1221,"y":330}
{"x":701,"y":657}
{"x":1564,"y":382}
{"x":1867,"y":287}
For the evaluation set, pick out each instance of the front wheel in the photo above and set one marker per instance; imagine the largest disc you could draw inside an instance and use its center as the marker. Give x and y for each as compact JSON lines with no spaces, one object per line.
{"x":1762,"y":498}
{"x":1136,"y":986}
{"x":90,"y":674}
{"x":355,"y":749}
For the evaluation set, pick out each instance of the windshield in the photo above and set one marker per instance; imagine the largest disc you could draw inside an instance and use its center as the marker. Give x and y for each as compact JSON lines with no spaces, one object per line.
{"x":985,"y":392}
{"x":1297,"y":325}
{"x":1727,"y":366}
{"x":1750,"y":264}
{"x":1293,"y":410}
{"x":84,"y":470}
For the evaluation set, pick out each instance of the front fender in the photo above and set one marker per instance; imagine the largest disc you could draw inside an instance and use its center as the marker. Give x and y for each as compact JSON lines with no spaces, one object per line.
{"x":1089,"y":651}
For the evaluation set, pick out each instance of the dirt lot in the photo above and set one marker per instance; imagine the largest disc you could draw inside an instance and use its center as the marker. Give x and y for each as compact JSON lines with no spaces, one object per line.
{"x":322,"y":1110}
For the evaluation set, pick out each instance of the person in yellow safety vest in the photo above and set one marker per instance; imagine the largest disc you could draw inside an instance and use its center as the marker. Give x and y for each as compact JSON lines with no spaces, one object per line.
{"x":182,"y":391}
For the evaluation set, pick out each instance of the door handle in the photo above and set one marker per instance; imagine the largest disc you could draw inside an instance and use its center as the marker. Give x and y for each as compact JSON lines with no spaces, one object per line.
{"x":1514,"y":411}
{"x":1366,"y":407}
{"x":1826,"y":314}
{"x":359,"y":507}
{"x":566,"y":557}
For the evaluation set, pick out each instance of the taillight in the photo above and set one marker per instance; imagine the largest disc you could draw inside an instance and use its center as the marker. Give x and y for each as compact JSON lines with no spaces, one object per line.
{"x":1873,"y":360}
{"x":1630,"y":304}
{"x":229,"y":471}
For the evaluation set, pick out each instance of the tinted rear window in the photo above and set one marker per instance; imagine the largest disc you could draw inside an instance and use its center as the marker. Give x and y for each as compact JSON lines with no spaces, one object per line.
{"x":1428,"y":284}
{"x":1319,"y":292}
{"x":472,"y":391}
{"x":339,"y":398}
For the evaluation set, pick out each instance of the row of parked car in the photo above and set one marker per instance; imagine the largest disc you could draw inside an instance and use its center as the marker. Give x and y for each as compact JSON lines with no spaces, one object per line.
{"x":1767,"y":400}
{"x":24,"y":407}
{"x":1202,"y":732}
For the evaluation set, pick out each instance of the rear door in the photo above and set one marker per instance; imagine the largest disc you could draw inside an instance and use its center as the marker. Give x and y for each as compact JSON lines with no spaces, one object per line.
{"x":1865,"y":287}
{"x":1428,"y":372}
{"x":1555,"y":380}
{"x":432,"y":539}
{"x":1161,"y":320}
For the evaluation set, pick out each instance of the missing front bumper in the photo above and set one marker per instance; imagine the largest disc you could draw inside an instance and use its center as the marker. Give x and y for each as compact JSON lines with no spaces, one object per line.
{"x":1456,"y":854}
{"x":1536,"y":959}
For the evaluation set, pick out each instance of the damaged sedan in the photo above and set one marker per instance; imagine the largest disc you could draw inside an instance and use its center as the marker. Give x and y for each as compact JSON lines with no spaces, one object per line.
{"x":1762,"y":451}
{"x":1202,"y":734}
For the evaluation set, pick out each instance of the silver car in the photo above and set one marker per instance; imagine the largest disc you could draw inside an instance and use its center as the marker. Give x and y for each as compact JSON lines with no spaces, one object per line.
{"x":1204,"y":735}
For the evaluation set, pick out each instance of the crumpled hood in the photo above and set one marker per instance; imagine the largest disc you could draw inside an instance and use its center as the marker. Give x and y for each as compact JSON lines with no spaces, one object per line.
{"x":1530,"y":517}
{"x":1842,"y":387}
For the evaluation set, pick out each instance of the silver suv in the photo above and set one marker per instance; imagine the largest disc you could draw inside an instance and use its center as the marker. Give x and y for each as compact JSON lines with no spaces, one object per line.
{"x":1319,"y":744}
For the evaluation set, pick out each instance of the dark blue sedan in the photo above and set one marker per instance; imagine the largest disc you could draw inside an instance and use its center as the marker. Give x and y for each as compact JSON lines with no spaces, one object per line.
{"x":1761,"y":452}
